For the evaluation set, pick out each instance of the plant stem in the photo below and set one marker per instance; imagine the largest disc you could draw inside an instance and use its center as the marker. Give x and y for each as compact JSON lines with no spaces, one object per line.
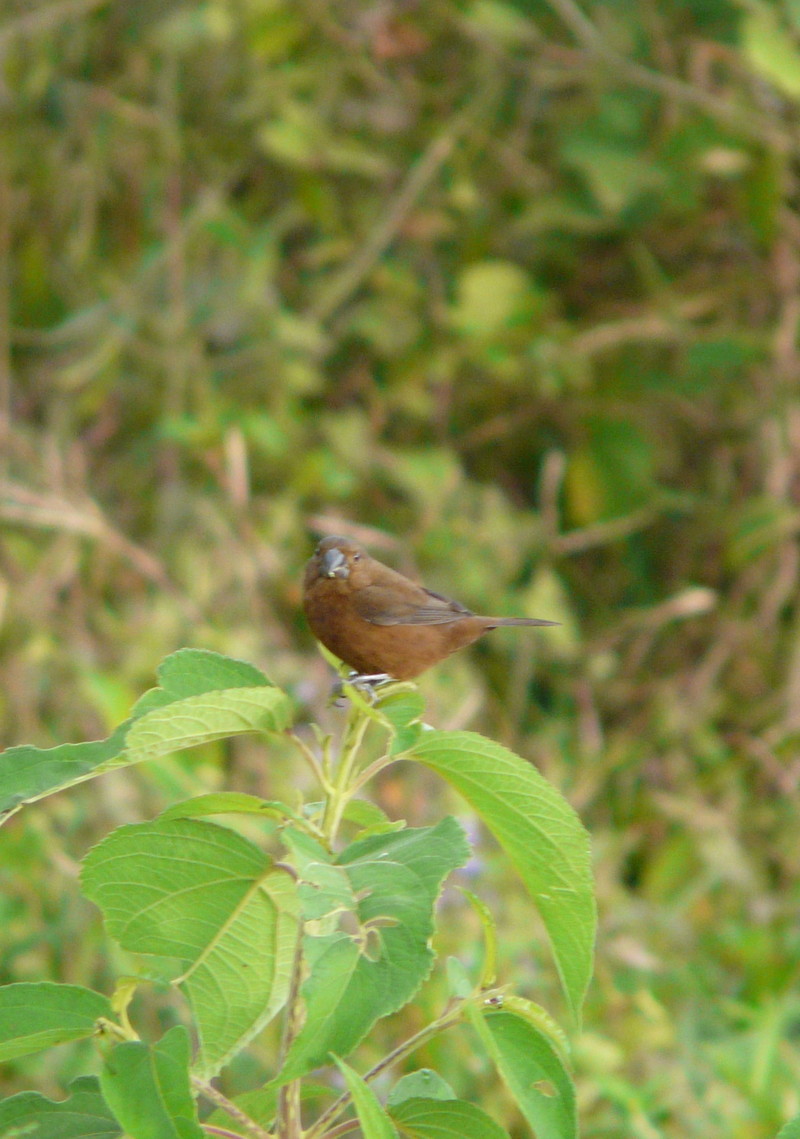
{"x":343,"y":1128}
{"x":342,"y":790}
{"x":210,"y":1129}
{"x":311,"y":760}
{"x":338,"y":791}
{"x":289,"y":1124}
{"x":371,"y":771}
{"x":452,"y":1015}
{"x":209,"y":1092}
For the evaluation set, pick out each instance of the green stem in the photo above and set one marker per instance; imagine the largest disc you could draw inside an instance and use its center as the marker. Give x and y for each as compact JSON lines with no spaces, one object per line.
{"x":343,"y":1128}
{"x":222,"y":1131}
{"x":343,"y":790}
{"x":338,"y":792}
{"x":209,"y":1092}
{"x":288,"y":1125}
{"x":370,"y":772}
{"x":448,"y":1018}
{"x":311,"y":760}
{"x":116,"y":1033}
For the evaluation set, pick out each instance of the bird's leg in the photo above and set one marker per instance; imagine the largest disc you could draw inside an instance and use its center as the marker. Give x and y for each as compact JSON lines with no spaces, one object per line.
{"x":363,"y":681}
{"x":368,"y":679}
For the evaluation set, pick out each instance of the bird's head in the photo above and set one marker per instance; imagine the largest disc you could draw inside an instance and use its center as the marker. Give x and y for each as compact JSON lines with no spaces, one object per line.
{"x":336,"y":558}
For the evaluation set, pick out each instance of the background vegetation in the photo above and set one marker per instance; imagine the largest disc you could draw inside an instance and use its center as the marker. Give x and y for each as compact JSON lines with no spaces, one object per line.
{"x":509,"y":290}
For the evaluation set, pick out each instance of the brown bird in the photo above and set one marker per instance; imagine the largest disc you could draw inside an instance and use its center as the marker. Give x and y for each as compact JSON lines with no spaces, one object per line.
{"x":381,"y":623}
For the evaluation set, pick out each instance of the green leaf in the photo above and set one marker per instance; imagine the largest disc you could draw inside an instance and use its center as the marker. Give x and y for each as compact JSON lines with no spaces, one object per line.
{"x":325,"y":892}
{"x":489,"y":968}
{"x":148,"y":1088}
{"x":329,"y":1018}
{"x":366,"y":813}
{"x":422,"y":1118}
{"x":34,"y":1016}
{"x":230,"y":803}
{"x":199,"y":892}
{"x":375,"y":1123}
{"x":541,"y":1020}
{"x":200,"y":719}
{"x":771,"y":49}
{"x":459,"y":983}
{"x":540,"y":833}
{"x":758,"y":526}
{"x":616,"y":174}
{"x":492,"y":296}
{"x":83,"y":1115}
{"x":423,"y":1084}
{"x":502,"y":23}
{"x":357,"y":978}
{"x":401,"y":704}
{"x":532,"y":1071}
{"x":790,"y":1130}
{"x":396,"y":707}
{"x":405,"y":738}
{"x":191,"y":672}
{"x":306,"y":850}
{"x":370,"y":816}
{"x":29,"y":773}
{"x":203,"y":696}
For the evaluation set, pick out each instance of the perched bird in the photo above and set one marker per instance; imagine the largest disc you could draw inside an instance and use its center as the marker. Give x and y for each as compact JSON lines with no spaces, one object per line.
{"x":381,"y":623}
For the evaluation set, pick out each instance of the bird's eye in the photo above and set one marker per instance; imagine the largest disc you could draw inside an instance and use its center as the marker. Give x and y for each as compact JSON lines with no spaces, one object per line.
{"x":356,"y":557}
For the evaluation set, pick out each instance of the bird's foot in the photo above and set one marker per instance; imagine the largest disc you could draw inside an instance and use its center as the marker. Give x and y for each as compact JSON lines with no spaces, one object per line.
{"x":368,"y":679}
{"x":364,"y":682}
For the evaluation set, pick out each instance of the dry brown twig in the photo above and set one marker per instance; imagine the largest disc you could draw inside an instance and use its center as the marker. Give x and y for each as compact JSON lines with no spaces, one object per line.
{"x":46,"y":511}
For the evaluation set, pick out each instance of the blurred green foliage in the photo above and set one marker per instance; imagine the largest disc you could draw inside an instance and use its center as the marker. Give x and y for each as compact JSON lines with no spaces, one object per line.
{"x":508,"y":289}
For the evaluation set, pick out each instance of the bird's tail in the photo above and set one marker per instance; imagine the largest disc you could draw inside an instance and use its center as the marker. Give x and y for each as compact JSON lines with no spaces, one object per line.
{"x":495,"y":621}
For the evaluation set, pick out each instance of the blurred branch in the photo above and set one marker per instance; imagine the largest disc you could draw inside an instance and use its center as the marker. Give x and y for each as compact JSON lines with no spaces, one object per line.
{"x":5,"y":314}
{"x":330,"y":523}
{"x":647,"y":327}
{"x":733,"y":633}
{"x":28,"y":507}
{"x":352,"y":275}
{"x":45,"y":18}
{"x":600,"y":533}
{"x":551,"y":482}
{"x":785,"y":779}
{"x":759,"y":127}
{"x":695,"y":601}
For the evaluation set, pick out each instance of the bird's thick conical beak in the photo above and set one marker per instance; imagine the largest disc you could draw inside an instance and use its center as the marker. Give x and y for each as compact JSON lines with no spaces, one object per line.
{"x":334,"y":563}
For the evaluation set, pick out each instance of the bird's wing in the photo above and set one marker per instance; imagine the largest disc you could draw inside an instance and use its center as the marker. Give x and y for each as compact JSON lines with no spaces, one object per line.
{"x":385,"y":605}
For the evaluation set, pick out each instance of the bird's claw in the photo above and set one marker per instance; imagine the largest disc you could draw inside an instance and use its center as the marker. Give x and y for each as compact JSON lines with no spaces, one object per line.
{"x":369,"y":680}
{"x":365,"y":683}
